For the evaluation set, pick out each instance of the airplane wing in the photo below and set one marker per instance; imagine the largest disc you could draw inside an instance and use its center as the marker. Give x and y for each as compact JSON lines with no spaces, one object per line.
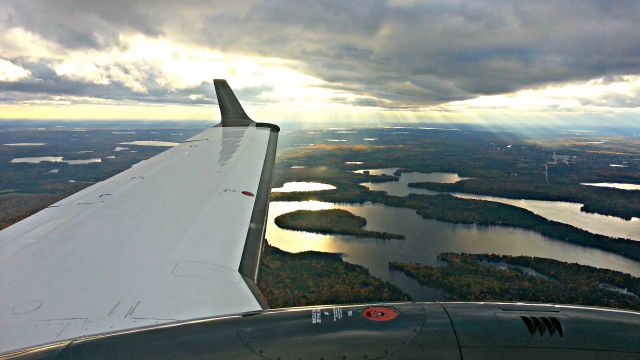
{"x":175,"y":237}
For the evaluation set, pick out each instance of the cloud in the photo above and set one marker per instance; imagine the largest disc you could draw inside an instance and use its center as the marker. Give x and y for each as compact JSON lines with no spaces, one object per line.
{"x":79,"y":24}
{"x":11,"y":72}
{"x":397,"y":54}
{"x":610,"y":93}
{"x":156,"y":70}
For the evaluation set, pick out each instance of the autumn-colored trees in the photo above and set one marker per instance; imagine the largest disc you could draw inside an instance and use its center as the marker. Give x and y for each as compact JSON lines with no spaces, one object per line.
{"x":501,"y":278}
{"x":312,"y":277}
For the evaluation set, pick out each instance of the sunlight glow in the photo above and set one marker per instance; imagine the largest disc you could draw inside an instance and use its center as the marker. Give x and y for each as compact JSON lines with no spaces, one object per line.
{"x":272,"y":89}
{"x":176,"y":66}
{"x":147,"y":65}
{"x":560,"y":97}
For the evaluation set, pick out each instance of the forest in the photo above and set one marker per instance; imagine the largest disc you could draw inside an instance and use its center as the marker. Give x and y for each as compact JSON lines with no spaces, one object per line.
{"x":468,"y":277}
{"x":15,"y":207}
{"x":312,"y":277}
{"x":330,"y":221}
{"x":448,"y":208}
{"x":621,"y":203}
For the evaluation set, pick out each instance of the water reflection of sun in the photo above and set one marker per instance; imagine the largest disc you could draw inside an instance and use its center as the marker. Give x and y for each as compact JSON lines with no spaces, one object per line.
{"x":303,"y":186}
{"x":297,"y":241}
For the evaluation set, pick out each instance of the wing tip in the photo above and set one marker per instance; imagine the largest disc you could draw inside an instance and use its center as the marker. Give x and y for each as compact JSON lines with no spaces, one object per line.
{"x":231,"y":111}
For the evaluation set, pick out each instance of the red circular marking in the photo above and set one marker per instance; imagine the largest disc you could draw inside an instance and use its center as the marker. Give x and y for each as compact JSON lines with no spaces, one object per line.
{"x":380,"y":313}
{"x":248,"y":193}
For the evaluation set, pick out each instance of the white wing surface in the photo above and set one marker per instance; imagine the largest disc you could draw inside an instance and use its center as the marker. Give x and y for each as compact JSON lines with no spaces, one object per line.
{"x":175,"y":237}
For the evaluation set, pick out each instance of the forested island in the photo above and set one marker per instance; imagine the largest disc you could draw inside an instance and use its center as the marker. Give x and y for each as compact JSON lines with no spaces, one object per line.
{"x":606,"y":201}
{"x":330,"y":221}
{"x":312,"y":277}
{"x":449,"y":208}
{"x":468,"y":277}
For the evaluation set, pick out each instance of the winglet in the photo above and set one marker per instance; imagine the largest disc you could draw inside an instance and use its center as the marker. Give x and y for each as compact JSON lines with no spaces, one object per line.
{"x":231,"y":111}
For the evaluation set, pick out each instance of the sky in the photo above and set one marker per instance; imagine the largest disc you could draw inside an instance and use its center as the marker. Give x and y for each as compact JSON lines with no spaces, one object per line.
{"x":552,"y":62}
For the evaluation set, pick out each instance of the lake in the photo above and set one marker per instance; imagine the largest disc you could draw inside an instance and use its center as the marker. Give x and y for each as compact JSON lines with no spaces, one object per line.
{"x":401,"y":187}
{"x":564,"y":212}
{"x":615,"y":185}
{"x":149,"y":143}
{"x":55,"y":159}
{"x":425,"y":239}
{"x":570,"y":213}
{"x":26,"y":144}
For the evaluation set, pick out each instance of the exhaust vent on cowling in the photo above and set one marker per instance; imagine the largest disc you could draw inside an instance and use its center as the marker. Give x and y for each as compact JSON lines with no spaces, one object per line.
{"x":543,"y":325}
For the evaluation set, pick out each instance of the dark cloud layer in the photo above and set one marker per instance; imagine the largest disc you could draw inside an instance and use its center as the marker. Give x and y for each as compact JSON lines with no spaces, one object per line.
{"x":399,"y":54}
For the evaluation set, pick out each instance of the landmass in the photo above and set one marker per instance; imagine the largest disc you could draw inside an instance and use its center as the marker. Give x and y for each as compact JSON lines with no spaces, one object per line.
{"x":16,"y":206}
{"x":75,"y":144}
{"x":26,"y":188}
{"x":330,"y":221}
{"x":617,"y":200}
{"x":483,"y":277}
{"x":501,"y":164}
{"x":312,"y":278}
{"x":518,"y":170}
{"x":445,"y":207}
